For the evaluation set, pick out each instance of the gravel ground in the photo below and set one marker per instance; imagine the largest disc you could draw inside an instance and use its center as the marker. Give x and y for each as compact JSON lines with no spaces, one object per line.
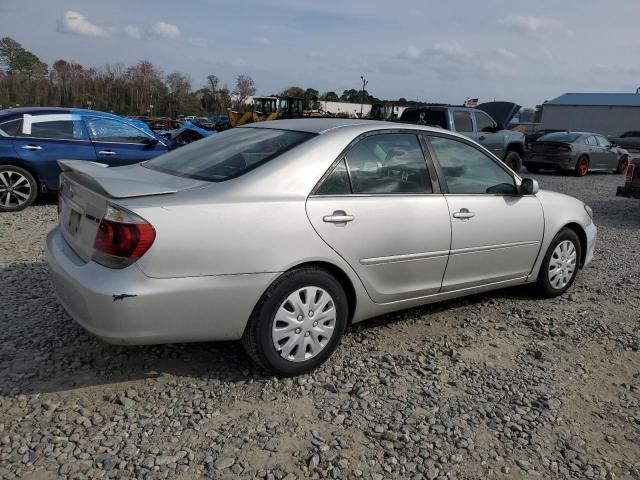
{"x":501,"y":385}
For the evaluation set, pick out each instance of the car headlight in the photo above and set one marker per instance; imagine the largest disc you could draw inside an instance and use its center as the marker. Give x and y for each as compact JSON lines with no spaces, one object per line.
{"x":589,"y":211}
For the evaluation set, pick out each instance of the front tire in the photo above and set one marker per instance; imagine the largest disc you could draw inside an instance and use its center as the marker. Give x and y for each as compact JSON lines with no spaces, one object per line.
{"x":622,"y":165}
{"x":513,"y":161}
{"x":582,"y":166}
{"x":297,"y":323}
{"x":560,"y":264}
{"x":18,"y":188}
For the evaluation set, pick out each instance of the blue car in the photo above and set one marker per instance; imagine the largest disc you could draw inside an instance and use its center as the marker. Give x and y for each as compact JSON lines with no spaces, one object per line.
{"x":32,"y":140}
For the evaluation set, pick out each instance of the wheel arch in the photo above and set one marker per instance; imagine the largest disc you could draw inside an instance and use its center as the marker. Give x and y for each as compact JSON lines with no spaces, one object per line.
{"x":514,"y":147}
{"x":11,"y":162}
{"x":343,"y":279}
{"x":582,"y":236}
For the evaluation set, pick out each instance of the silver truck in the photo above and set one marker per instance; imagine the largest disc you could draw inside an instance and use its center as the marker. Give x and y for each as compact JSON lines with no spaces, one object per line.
{"x":485,"y":124}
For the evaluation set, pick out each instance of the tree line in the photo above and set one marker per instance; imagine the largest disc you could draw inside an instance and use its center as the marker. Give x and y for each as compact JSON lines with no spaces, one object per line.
{"x":140,"y":89}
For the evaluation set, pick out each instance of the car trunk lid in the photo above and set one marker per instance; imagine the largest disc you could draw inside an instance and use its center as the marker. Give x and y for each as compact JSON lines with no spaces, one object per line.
{"x":87,"y":188}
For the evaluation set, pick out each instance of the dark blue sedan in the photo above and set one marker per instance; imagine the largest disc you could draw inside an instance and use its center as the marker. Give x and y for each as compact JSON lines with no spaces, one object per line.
{"x":33,"y":139}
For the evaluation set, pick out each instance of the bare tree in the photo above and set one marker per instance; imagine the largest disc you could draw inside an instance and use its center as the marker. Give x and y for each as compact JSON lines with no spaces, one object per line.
{"x":245,"y":88}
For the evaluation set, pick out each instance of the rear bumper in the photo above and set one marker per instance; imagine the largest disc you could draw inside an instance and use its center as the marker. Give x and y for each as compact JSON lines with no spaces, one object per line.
{"x":127,"y":307}
{"x":558,"y":162}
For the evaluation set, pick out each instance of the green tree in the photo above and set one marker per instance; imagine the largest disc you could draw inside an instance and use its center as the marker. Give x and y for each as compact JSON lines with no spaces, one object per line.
{"x":330,"y":97}
{"x":297,"y":92}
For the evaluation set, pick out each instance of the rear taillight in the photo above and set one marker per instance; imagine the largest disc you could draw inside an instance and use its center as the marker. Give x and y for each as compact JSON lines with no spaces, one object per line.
{"x":122,"y":238}
{"x":564,"y":148}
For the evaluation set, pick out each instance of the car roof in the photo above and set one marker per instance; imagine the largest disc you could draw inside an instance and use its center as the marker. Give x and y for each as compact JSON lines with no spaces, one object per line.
{"x":45,"y":110}
{"x":324,"y":125}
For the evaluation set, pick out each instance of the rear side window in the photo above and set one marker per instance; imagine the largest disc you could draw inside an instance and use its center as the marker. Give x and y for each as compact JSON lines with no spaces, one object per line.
{"x":337,"y":183}
{"x":462,"y":121}
{"x":591,"y":140}
{"x":228,"y":154}
{"x":467,"y":170}
{"x":432,"y":117}
{"x":10,"y":129}
{"x":388,"y":163}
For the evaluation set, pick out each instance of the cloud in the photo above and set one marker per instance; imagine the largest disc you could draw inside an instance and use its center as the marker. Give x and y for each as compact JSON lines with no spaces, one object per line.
{"x":166,"y":30}
{"x":77,"y":24}
{"x":263,"y":41}
{"x":133,"y":32}
{"x":444,"y":50}
{"x":505,"y":52}
{"x":530,"y":23}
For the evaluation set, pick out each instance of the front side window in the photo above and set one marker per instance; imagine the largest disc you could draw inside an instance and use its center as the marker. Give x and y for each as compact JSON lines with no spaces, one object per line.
{"x":388,"y":163}
{"x":228,"y":154}
{"x":484,"y":122}
{"x":462,"y":121}
{"x":603,"y":142}
{"x":467,"y":170}
{"x":110,"y":130}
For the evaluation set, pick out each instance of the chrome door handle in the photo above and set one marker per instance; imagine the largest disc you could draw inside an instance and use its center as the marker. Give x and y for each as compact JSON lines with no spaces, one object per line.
{"x":464,"y":214}
{"x":106,"y":153}
{"x":339,"y":217}
{"x":31,"y":147}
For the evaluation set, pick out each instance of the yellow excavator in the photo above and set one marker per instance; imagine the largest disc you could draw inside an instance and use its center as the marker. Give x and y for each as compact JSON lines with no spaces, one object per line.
{"x":268,"y":108}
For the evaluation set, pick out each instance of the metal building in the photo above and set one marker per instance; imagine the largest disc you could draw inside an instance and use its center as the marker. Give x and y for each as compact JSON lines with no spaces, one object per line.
{"x":605,"y":113}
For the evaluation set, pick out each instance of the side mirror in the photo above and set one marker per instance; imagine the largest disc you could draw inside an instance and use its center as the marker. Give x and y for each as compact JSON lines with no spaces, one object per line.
{"x":529,"y":186}
{"x":498,"y":127}
{"x":150,"y":142}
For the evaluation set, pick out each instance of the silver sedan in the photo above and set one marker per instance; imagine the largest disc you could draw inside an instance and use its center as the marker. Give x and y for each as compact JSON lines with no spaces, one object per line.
{"x":282,"y":233}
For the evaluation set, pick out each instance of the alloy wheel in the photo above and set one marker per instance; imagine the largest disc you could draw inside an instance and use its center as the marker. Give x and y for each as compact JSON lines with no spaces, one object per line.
{"x":15,"y":189}
{"x":562,"y":264}
{"x":304,"y":324}
{"x":583,"y":167}
{"x":624,"y":163}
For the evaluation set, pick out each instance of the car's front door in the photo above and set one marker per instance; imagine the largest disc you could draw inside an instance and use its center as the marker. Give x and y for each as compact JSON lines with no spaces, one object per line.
{"x":118,"y":143}
{"x":380,"y":211}
{"x":42,"y":140}
{"x":496,"y":233}
{"x":608,"y":157}
{"x":487,"y":136}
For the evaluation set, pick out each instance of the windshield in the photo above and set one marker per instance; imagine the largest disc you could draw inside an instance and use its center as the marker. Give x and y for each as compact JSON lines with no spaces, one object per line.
{"x":564,"y":137}
{"x":228,"y":154}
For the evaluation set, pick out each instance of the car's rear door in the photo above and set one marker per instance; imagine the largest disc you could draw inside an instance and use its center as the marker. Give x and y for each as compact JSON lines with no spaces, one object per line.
{"x":487,"y":135}
{"x":496,"y":233}
{"x":379,"y":209}
{"x":118,"y":143}
{"x":42,"y":140}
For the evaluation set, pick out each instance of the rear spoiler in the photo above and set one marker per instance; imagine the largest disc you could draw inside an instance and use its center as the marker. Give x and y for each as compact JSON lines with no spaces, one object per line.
{"x":111,"y":181}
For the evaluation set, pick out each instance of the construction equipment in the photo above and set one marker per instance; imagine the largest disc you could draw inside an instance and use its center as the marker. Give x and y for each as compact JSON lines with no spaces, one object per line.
{"x":268,"y":108}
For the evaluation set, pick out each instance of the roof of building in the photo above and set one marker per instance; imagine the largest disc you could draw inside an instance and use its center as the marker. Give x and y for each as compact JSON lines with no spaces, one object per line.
{"x":598,"y":99}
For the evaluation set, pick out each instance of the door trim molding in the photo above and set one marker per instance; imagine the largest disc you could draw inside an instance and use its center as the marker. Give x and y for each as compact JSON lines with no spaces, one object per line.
{"x":402,"y":258}
{"x":484,"y":248}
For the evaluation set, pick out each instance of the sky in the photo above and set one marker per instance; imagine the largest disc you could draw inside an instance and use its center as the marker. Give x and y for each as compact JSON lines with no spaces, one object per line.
{"x":437,"y":51}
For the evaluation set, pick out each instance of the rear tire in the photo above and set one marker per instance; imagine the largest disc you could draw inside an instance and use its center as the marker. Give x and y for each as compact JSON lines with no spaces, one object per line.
{"x":533,"y":168}
{"x":622,"y":165}
{"x":18,"y":188}
{"x":513,"y":161}
{"x":284,"y":335}
{"x":560,"y":264}
{"x":582,"y":166}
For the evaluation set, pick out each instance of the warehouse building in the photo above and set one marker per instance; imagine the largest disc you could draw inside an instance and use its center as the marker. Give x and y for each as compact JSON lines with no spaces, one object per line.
{"x":605,"y":113}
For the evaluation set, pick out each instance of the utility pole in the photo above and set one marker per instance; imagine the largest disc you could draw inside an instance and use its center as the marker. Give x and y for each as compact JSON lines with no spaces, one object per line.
{"x":364,"y":86}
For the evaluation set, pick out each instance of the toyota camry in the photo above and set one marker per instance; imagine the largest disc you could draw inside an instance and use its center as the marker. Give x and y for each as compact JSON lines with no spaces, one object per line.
{"x":282,"y":233}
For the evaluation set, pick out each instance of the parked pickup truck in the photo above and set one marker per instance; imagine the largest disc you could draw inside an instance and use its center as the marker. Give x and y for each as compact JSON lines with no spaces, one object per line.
{"x":484,"y":124}
{"x":631,"y":187}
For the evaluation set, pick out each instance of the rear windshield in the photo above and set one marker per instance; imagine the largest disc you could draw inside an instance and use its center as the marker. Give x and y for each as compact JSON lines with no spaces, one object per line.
{"x":564,"y":137}
{"x":228,"y":154}
{"x":436,"y":118}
